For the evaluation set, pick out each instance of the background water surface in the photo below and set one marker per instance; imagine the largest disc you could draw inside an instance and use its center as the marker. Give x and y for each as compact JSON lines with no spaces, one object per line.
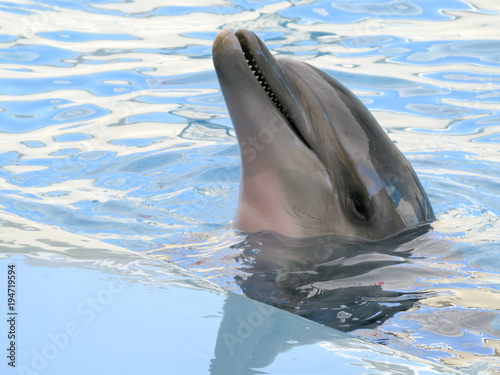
{"x":113,"y":127}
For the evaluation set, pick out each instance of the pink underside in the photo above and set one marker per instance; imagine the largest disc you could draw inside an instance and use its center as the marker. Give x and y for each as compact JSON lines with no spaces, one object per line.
{"x":263,"y":204}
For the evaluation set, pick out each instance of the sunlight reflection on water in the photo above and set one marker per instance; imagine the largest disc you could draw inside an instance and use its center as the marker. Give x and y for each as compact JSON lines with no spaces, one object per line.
{"x":122,"y":134}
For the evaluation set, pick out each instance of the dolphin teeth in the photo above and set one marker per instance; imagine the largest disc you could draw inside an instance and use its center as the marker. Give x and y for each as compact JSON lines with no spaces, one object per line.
{"x":255,"y":69}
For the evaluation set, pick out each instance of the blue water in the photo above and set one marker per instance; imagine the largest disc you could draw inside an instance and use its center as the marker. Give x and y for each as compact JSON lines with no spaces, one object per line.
{"x":82,"y":306}
{"x":114,"y":127}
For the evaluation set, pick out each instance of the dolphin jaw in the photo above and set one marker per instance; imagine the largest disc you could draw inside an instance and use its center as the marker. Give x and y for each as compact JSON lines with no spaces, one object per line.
{"x":257,"y":72}
{"x":252,"y":53}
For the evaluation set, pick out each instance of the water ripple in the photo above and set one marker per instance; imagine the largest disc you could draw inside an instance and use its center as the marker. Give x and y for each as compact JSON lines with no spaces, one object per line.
{"x":328,"y":11}
{"x":122,"y":134}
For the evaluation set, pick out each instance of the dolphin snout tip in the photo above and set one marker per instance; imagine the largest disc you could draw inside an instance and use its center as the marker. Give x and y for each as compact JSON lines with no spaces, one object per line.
{"x":222,"y":38}
{"x":223,"y":34}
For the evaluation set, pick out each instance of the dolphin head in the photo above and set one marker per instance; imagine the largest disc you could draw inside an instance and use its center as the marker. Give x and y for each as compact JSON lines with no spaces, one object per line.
{"x":314,"y":159}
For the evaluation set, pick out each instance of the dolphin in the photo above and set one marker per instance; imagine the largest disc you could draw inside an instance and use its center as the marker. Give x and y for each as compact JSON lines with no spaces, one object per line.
{"x":314,"y":159}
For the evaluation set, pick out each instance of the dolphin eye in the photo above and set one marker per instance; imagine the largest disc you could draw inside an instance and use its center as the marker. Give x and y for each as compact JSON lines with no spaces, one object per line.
{"x":358,"y":207}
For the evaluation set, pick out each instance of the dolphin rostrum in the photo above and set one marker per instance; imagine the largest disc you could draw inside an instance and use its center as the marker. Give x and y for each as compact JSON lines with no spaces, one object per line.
{"x":314,"y":159}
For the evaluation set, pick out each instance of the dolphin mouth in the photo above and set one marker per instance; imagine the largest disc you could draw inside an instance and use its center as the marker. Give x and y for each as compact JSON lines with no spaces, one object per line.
{"x":253,"y":52}
{"x":258,"y":74}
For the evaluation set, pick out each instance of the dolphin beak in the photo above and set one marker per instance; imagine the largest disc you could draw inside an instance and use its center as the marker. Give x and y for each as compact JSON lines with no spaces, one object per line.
{"x":266,"y":71}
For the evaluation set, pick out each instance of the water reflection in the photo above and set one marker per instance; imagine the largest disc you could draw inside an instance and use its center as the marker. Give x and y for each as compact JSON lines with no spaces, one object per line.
{"x":114,"y":298}
{"x":255,"y":339}
{"x":344,"y":12}
{"x":406,"y":292}
{"x":121,"y":134}
{"x":340,"y":282}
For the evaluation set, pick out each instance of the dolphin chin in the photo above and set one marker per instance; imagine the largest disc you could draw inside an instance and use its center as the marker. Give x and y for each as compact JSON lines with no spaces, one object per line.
{"x":314,"y":159}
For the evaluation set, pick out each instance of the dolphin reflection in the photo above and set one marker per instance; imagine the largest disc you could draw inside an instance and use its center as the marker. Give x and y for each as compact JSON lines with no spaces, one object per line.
{"x":342,"y":282}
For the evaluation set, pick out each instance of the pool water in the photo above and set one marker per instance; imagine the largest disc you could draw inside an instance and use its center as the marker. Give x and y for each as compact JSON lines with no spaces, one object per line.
{"x":82,"y":306}
{"x":114,"y":128}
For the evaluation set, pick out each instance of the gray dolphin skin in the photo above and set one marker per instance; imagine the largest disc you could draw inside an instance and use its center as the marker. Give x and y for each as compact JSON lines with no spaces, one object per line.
{"x":314,"y":159}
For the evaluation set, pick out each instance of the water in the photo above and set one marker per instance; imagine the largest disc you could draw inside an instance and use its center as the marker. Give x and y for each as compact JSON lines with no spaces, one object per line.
{"x":114,"y":128}
{"x":128,"y":312}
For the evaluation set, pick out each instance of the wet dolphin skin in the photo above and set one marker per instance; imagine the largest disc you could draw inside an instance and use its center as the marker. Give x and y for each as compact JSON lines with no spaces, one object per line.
{"x":314,"y":159}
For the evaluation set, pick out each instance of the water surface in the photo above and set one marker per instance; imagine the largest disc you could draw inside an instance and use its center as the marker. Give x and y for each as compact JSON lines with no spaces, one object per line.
{"x":114,"y":127}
